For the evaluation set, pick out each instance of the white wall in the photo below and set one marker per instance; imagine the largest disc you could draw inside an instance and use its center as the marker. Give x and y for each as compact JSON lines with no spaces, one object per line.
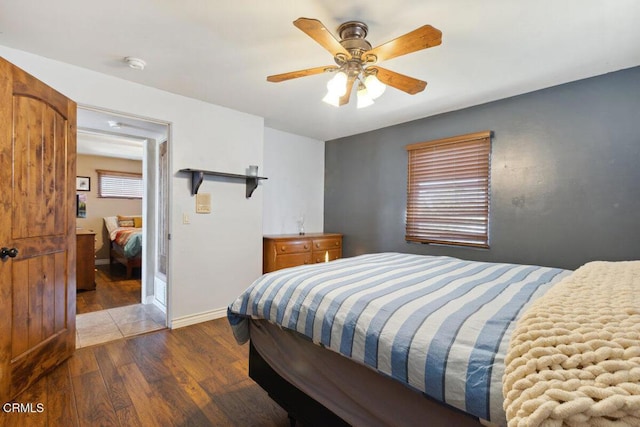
{"x":218,"y":255}
{"x":294,"y":165}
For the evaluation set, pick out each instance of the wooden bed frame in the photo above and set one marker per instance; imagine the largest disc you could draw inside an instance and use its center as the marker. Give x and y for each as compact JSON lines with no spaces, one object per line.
{"x":129,"y":263}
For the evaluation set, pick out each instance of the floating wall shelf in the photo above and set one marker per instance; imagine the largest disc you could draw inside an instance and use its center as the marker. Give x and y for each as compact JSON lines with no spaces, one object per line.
{"x":197,"y":176}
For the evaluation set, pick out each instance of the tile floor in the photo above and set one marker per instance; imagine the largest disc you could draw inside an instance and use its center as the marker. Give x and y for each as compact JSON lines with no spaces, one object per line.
{"x":107,"y":325}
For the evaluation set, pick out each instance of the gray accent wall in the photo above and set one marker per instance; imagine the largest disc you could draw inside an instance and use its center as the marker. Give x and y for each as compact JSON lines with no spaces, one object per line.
{"x":565,"y":176}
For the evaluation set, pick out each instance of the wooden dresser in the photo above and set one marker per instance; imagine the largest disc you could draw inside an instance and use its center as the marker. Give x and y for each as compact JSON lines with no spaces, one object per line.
{"x":290,"y":250}
{"x":85,"y":260}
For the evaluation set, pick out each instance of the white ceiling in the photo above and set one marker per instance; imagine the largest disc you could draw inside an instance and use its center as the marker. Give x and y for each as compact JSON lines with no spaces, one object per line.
{"x":103,"y":133}
{"x":222,"y":51}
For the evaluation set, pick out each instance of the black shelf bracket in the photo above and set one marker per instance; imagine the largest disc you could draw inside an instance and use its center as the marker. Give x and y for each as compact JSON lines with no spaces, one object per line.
{"x":197,"y":176}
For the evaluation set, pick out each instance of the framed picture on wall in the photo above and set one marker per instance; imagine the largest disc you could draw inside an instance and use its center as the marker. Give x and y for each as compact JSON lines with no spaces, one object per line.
{"x":83,"y":183}
{"x":81,"y":205}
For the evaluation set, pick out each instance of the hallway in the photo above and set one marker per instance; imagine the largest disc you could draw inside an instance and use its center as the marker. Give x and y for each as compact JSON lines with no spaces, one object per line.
{"x":113,"y":310}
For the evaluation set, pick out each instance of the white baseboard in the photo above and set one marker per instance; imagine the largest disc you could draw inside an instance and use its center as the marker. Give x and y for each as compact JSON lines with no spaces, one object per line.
{"x":102,"y":261}
{"x":192,"y":319}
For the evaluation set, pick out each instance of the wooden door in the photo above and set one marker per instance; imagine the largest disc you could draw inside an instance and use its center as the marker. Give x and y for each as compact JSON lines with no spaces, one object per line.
{"x":37,"y":218}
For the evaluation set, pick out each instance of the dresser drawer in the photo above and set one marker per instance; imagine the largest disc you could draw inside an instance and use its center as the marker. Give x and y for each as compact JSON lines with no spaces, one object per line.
{"x":327,"y":255}
{"x":327,"y":243}
{"x":292,"y":246}
{"x":292,"y":260}
{"x":290,"y":250}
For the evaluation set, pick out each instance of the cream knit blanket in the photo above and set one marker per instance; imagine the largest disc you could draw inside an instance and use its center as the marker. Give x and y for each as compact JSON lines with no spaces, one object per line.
{"x":574,"y":357}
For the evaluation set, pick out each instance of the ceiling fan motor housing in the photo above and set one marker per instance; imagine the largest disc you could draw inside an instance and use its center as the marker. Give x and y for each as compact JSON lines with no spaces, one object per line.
{"x":352,"y":38}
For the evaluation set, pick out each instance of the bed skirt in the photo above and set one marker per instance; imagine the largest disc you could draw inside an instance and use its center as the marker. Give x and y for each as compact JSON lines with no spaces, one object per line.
{"x":353,"y":392}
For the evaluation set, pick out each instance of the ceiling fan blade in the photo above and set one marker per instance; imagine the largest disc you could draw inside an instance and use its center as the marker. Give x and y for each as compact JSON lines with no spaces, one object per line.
{"x":300,"y":73}
{"x":344,"y":99}
{"x":421,"y":38}
{"x":317,"y":31}
{"x":399,"y":81}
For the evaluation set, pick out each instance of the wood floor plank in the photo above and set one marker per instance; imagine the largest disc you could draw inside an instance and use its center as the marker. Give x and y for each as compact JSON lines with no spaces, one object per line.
{"x":93,"y":402}
{"x":119,"y":352}
{"x":82,"y":362}
{"x":175,"y":385}
{"x":115,"y":387}
{"x":129,"y":417}
{"x":113,"y":289}
{"x":200,"y":358}
{"x":193,"y":376}
{"x":29,"y":414}
{"x":61,"y":404}
{"x":229,"y":374}
{"x":222,"y":333}
{"x":202,"y":337}
{"x":238,"y":402}
{"x":151,"y":409}
{"x":150,"y":362}
{"x":184,"y":409}
{"x":182,"y":369}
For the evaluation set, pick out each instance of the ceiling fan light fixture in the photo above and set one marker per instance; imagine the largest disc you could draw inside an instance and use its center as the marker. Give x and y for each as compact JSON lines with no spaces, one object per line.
{"x":374,"y":86}
{"x":337,"y":86}
{"x":364,"y":97}
{"x":332,"y":99}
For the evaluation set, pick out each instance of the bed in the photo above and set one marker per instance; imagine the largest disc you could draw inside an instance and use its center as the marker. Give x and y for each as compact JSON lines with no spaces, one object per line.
{"x":125,"y":235}
{"x":399,"y":339}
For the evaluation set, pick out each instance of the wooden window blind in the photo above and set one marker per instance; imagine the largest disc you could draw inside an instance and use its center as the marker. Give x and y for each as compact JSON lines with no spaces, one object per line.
{"x":448,"y":191}
{"x":123,"y":185}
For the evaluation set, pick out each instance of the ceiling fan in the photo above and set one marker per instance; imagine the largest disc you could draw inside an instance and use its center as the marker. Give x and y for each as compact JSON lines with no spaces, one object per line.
{"x":356,"y":60}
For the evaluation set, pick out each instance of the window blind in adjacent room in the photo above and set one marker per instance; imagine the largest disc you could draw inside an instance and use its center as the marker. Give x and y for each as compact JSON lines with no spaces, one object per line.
{"x":115,"y":184}
{"x":448,"y":191}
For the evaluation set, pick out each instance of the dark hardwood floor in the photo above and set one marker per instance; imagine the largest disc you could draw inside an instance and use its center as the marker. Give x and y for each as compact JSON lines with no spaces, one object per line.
{"x":113,"y":289}
{"x":193,"y":376}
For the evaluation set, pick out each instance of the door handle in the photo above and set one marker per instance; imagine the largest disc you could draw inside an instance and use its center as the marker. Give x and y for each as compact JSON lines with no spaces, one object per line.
{"x":6,"y":252}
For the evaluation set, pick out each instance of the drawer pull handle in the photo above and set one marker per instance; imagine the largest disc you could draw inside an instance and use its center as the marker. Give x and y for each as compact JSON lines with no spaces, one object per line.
{"x":306,"y":246}
{"x":282,"y":249}
{"x":317,"y":245}
{"x":337,"y":243}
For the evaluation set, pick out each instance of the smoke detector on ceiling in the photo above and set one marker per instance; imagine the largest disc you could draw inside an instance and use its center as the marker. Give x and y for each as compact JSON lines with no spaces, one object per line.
{"x":135,"y":63}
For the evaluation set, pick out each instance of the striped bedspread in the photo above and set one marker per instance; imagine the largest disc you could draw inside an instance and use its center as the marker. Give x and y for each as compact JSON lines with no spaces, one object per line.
{"x":438,"y":324}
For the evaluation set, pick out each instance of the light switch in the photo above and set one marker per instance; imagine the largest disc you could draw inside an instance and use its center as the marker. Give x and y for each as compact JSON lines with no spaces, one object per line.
{"x":203,"y":203}
{"x":185,"y":218}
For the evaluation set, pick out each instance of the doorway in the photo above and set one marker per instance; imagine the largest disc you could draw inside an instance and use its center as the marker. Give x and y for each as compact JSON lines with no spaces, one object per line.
{"x":127,"y":153}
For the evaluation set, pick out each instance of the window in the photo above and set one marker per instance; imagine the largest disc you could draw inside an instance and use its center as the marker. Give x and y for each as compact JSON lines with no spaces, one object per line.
{"x":448,"y":191}
{"x":124,"y":185}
